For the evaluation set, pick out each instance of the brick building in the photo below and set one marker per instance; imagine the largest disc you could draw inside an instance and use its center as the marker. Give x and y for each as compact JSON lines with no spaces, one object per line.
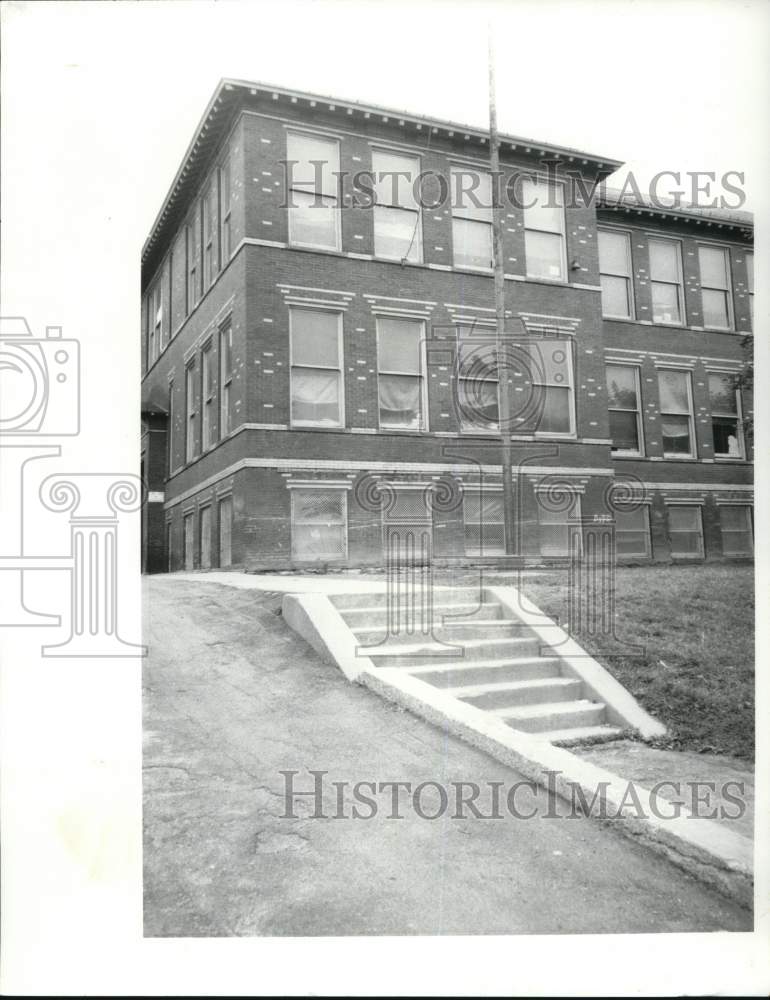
{"x":315,"y":374}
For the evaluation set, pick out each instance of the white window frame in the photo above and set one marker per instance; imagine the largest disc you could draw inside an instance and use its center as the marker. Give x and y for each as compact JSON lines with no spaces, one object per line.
{"x":561,"y":186}
{"x":465,"y":168}
{"x":424,"y":415}
{"x":481,"y":492}
{"x":749,"y":510}
{"x":701,"y":554}
{"x":225,"y":191}
{"x":321,"y":488}
{"x":727,"y":291}
{"x":623,"y":452}
{"x":415,"y":212}
{"x":693,"y":452}
{"x":339,"y":368}
{"x":208,"y":436}
{"x":679,"y":284}
{"x":191,"y":413}
{"x":571,"y":433}
{"x":737,"y":416}
{"x":225,"y":379}
{"x":333,"y":141}
{"x":749,"y":255}
{"x":614,"y":274}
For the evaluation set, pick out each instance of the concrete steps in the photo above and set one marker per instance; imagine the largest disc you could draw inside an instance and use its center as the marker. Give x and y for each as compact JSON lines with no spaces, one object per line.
{"x":484,"y":648}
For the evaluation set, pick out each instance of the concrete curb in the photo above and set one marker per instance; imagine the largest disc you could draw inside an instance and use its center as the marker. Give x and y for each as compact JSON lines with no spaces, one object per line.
{"x":708,"y":851}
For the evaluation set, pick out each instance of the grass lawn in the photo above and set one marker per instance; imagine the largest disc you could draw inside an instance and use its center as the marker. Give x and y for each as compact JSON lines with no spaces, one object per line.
{"x":696,"y":624}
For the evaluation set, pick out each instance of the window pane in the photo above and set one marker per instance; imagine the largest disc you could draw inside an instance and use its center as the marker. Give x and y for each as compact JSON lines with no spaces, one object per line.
{"x":676,"y":435}
{"x":549,"y":361}
{"x":472,"y":243}
{"x":315,"y":337}
{"x":664,"y":261}
{"x":306,"y":173}
{"x":320,"y":541}
{"x":400,"y":403}
{"x":399,"y":345}
{"x":477,"y":400}
{"x":632,"y":543}
{"x":390,"y":184}
{"x":613,"y":253}
{"x":726,"y":439}
{"x":486,"y":539}
{"x":750,"y":271}
{"x":471,"y":194}
{"x":206,"y":538}
{"x":665,"y":303}
{"x":673,"y":392}
{"x":722,"y":394}
{"x":317,"y":507}
{"x":546,"y":202}
{"x":616,"y":298}
{"x":477,"y":351}
{"x":624,"y":430}
{"x":313,"y":221}
{"x":621,"y":387}
{"x":715,"y":308}
{"x":556,"y":416}
{"x":554,"y":539}
{"x":396,"y":233}
{"x":684,"y":518}
{"x":315,"y":396}
{"x":544,"y":254}
{"x":631,"y":520}
{"x":713,"y":267}
{"x":225,"y":532}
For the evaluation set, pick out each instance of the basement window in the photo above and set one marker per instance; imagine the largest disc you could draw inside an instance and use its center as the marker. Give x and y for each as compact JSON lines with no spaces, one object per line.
{"x":318,"y":524}
{"x":685,"y":529}
{"x":632,"y":532}
{"x":737,"y":535}
{"x":484,"y":524}
{"x":559,"y":533}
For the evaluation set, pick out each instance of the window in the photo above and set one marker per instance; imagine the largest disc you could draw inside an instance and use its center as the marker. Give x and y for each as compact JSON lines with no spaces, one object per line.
{"x":396,"y":213}
{"x":544,"y":240}
{"x":226,"y":532}
{"x":685,"y":529}
{"x":615,"y":274}
{"x":313,"y":190}
{"x":750,"y":283}
{"x":550,"y":373}
{"x":190,"y":449}
{"x":632,"y":532}
{"x":193,"y":289}
{"x":401,"y":384}
{"x":676,"y":414}
{"x":737,"y":535}
{"x":225,"y":209}
{"x":318,"y":520}
{"x":205,"y":516}
{"x":471,"y":195}
{"x":170,"y":430}
{"x":209,"y":260}
{"x":156,"y":321}
{"x":557,"y":529}
{"x":189,"y":542}
{"x":207,"y":398}
{"x":477,"y":380}
{"x":666,"y":281}
{"x":484,"y":524}
{"x":725,"y":415}
{"x":316,"y":367}
{"x":169,"y":542}
{"x":624,"y":409}
{"x":716,"y":294}
{"x":225,"y":378}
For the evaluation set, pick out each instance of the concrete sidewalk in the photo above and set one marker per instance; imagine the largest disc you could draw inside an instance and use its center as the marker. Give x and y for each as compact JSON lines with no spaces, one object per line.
{"x":232,"y":698}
